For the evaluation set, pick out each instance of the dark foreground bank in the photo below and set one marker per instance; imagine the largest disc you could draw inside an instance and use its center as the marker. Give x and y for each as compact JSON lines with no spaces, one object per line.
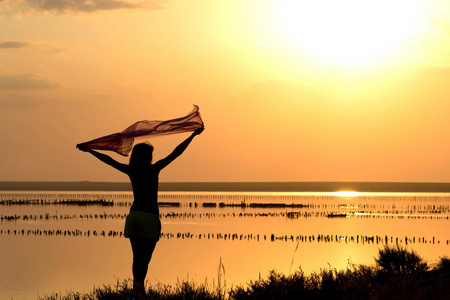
{"x":397,"y":274}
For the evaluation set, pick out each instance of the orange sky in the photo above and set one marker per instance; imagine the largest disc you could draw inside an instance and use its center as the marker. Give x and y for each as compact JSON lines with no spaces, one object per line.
{"x":288,"y":90}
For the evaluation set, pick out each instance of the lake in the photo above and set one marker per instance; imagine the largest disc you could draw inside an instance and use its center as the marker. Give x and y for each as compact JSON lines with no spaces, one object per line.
{"x":59,"y":241}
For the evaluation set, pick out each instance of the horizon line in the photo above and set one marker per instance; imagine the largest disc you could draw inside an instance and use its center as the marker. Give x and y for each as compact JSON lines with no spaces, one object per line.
{"x":238,"y":186}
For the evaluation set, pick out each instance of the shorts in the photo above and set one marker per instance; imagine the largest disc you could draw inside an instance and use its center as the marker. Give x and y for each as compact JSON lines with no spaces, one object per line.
{"x":142,"y":224}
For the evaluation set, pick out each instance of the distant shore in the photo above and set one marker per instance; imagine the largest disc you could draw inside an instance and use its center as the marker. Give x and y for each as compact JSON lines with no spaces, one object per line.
{"x":414,"y":187}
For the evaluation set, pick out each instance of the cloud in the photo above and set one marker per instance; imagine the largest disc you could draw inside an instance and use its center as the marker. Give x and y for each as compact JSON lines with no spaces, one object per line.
{"x":17,"y":7}
{"x":19,"y":101}
{"x":20,"y":45}
{"x":26,"y":82}
{"x":13,"y":44}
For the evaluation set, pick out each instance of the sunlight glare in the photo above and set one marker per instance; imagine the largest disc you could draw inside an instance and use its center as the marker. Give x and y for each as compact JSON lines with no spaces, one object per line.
{"x":346,"y":194}
{"x":347,"y":31}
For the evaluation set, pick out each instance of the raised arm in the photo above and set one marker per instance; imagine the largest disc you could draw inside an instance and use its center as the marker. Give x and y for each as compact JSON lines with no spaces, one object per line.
{"x":161,"y":164}
{"x":106,"y":159}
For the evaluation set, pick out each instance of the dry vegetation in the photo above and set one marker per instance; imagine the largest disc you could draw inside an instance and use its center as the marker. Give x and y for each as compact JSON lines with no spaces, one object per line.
{"x":398,"y":273}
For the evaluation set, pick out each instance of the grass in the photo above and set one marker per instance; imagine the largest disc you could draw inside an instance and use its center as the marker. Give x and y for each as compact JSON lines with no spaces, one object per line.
{"x":398,"y":273}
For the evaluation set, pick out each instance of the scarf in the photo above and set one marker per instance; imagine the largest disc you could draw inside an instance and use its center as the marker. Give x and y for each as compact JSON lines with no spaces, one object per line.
{"x":122,"y":142}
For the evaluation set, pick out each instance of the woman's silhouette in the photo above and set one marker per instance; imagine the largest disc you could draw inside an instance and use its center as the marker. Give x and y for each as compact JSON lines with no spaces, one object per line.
{"x":142,"y":225}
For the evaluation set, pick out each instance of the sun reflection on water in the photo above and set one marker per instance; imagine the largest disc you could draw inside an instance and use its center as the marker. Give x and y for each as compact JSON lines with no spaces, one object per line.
{"x":346,"y":194}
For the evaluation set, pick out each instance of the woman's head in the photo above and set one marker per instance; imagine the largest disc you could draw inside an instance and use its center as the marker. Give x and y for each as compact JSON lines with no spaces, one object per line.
{"x":142,"y":154}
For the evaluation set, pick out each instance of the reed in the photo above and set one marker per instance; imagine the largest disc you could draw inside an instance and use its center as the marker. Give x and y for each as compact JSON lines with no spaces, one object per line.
{"x":293,"y":257}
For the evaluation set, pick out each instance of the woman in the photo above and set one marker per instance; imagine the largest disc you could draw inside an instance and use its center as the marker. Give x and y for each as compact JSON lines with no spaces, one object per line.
{"x":142,"y":225}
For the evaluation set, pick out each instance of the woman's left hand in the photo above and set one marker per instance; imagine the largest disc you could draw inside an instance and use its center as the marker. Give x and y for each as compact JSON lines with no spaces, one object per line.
{"x":82,"y":148}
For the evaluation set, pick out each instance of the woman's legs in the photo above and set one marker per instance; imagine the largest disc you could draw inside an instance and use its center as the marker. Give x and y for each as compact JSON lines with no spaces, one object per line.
{"x":142,"y":254}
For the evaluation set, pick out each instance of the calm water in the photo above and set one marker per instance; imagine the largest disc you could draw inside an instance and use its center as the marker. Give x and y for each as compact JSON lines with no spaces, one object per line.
{"x":55,"y":242}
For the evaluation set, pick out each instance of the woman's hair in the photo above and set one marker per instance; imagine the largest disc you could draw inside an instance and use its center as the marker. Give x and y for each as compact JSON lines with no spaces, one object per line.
{"x":142,"y":154}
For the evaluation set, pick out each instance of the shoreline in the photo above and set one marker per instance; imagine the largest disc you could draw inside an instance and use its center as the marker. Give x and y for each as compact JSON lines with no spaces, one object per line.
{"x":412,"y":187}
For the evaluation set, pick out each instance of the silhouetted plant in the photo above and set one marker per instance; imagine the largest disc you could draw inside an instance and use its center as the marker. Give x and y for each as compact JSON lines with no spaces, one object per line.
{"x":356,"y":282}
{"x":443,"y":265}
{"x":397,"y":260}
{"x":276,"y":286}
{"x":221,"y":282}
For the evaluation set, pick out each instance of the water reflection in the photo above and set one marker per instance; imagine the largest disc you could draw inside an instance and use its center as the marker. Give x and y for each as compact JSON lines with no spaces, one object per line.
{"x":53,"y":242}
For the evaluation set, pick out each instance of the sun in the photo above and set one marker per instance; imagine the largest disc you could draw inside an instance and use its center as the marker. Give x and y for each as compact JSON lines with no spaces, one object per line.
{"x":347,"y":31}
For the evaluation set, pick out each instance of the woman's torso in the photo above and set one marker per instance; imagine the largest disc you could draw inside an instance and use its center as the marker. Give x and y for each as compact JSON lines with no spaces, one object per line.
{"x":144,"y":181}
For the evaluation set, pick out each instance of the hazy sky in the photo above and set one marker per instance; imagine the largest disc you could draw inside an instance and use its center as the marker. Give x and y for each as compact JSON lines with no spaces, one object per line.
{"x":320,"y":90}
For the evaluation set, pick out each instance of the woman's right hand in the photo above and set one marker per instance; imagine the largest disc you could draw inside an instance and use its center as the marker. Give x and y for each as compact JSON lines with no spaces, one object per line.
{"x":199,"y":130}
